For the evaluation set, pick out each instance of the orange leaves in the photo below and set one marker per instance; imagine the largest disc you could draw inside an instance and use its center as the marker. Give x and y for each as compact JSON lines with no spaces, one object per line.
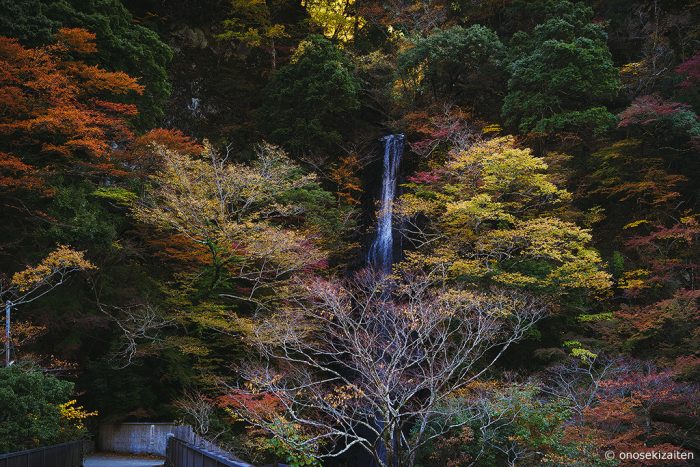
{"x":141,"y":154}
{"x":57,"y":111}
{"x":56,"y":265}
{"x":15,"y":174}
{"x":95,"y":79}
{"x":345,"y":175}
{"x":76,"y":40}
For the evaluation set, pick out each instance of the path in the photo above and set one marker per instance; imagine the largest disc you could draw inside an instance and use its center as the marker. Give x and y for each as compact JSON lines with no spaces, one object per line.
{"x":113,"y":460}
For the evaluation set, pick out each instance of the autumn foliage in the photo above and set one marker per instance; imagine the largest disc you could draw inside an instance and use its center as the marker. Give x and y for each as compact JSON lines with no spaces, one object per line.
{"x":58,"y":111}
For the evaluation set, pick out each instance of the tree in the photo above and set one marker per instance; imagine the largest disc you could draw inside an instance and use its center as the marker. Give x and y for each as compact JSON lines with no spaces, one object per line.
{"x":360,"y":362}
{"x":57,"y":114}
{"x":626,"y":406}
{"x":492,"y":214}
{"x":515,"y":424}
{"x":458,"y":63}
{"x":561,"y":74}
{"x":37,"y":411}
{"x":338,"y":18}
{"x":122,"y":44}
{"x":253,"y":23}
{"x":253,"y":221}
{"x":36,"y":281}
{"x":310,"y":101}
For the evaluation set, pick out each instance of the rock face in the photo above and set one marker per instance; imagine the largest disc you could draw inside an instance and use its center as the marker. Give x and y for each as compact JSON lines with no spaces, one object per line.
{"x":216,"y":83}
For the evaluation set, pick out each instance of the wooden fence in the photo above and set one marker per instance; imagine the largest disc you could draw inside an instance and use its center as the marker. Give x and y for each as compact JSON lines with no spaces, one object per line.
{"x":59,"y":455}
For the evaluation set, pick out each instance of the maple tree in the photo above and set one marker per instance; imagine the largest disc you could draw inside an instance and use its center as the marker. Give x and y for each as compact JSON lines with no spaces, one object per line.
{"x":123,"y":44}
{"x":489,"y":214}
{"x":57,"y":114}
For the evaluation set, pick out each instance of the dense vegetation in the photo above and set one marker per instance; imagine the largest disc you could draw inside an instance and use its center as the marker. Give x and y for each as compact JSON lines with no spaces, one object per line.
{"x":188,"y":194}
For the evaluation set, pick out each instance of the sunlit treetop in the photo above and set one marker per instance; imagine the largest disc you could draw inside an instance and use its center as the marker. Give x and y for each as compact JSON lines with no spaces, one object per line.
{"x":493,"y":213}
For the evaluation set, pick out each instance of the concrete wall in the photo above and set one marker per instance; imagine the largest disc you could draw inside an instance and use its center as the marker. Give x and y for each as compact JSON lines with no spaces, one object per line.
{"x":136,"y":438}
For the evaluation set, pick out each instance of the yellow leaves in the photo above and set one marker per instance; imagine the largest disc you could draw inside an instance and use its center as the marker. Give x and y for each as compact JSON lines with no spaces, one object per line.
{"x":636,"y":223}
{"x":59,"y":262}
{"x":75,"y":415}
{"x":493,"y":214}
{"x":635,"y":279}
{"x":467,"y":267}
{"x":492,"y":128}
{"x":342,"y":395}
{"x":563,"y":245}
{"x":633,"y":68}
{"x":577,"y":350}
{"x":189,"y":346}
{"x":476,"y":210}
{"x":516,"y":279}
{"x":498,"y":168}
{"x":335,"y":17}
{"x":546,"y":237}
{"x":410,"y":205}
{"x":234,"y":209}
{"x":582,"y":274}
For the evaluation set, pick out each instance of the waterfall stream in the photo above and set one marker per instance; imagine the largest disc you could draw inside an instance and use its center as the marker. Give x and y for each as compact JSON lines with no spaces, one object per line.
{"x":381,"y":253}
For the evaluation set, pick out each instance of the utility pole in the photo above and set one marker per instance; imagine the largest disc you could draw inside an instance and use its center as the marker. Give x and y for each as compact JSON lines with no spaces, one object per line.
{"x":8,"y":310}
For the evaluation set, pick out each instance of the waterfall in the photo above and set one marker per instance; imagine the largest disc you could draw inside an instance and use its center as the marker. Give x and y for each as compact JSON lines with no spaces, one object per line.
{"x":381,"y":253}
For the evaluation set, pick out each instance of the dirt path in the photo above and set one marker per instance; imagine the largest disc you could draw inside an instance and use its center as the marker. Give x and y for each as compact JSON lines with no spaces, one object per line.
{"x":113,"y":460}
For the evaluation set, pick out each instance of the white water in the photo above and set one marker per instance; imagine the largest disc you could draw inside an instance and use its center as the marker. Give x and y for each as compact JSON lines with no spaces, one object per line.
{"x":381,"y":253}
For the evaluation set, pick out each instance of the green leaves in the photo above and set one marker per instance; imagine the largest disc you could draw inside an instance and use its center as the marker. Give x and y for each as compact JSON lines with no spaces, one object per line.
{"x":311,"y":101}
{"x":29,"y":404}
{"x":458,"y":63}
{"x":122,"y":44}
{"x":561,"y":75}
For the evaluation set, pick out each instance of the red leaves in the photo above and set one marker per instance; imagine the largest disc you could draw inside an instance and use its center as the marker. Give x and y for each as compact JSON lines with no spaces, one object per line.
{"x":688,"y":231}
{"x":634,"y":408}
{"x":690,"y":69}
{"x":649,"y":109}
{"x":426,"y":178}
{"x":264,"y":405}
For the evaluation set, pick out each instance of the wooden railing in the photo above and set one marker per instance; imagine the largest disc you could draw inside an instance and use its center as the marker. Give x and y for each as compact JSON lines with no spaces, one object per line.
{"x":59,"y":455}
{"x":181,"y":453}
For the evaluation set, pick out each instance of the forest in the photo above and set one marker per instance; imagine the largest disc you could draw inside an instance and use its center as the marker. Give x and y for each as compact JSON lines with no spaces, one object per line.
{"x":392,"y":233}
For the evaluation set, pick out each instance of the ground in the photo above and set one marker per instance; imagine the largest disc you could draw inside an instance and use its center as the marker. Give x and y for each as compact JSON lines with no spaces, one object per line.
{"x":113,"y":460}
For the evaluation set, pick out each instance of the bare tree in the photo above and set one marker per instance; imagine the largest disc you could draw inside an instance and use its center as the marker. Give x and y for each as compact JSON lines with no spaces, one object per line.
{"x":372,"y":362}
{"x":577,"y":381}
{"x":140,"y":325}
{"x":198,"y":409}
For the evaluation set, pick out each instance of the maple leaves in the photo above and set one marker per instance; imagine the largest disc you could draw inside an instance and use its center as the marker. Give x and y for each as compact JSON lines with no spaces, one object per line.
{"x":489,"y":214}
{"x":633,"y":408}
{"x":57,"y":110}
{"x":254,"y":220}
